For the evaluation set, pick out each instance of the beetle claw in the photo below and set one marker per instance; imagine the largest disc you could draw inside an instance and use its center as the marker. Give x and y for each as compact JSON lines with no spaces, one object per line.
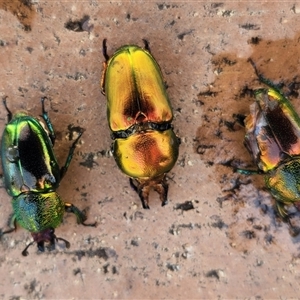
{"x":90,"y":224}
{"x":164,"y":203}
{"x":144,"y":196}
{"x":65,"y":241}
{"x":25,"y":252}
{"x":145,"y":206}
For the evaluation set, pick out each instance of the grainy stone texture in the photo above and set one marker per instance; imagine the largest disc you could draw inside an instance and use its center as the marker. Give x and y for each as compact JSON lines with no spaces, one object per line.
{"x":226,"y":241}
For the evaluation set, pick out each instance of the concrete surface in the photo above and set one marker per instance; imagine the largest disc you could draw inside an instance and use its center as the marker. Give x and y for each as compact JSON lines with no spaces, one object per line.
{"x":229,"y":244}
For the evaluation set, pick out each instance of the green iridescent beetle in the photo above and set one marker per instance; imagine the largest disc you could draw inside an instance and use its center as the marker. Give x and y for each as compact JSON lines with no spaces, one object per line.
{"x":32,"y":175}
{"x":139,"y":114}
{"x":273,"y":139}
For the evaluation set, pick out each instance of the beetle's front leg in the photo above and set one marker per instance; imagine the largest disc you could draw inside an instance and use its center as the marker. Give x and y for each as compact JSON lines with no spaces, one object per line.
{"x":70,"y":156}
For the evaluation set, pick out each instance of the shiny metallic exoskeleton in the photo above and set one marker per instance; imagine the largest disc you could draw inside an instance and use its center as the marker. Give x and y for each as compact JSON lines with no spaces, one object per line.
{"x":32,"y":175}
{"x":273,"y":139}
{"x":139,"y":115}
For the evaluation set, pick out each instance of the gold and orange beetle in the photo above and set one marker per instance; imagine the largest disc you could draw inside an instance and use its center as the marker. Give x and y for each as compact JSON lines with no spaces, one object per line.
{"x":139,"y":115}
{"x":273,"y":139}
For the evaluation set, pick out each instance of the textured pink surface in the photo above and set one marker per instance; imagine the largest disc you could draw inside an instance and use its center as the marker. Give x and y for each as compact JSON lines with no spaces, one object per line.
{"x":225,"y":240}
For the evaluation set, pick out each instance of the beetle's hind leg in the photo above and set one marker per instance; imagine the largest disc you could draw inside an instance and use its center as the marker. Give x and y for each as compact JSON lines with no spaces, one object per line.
{"x":142,"y":190}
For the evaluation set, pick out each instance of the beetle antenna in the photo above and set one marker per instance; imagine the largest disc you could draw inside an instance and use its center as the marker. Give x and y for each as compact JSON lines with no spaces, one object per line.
{"x":146,"y":44}
{"x":9,"y":113}
{"x":104,"y":49}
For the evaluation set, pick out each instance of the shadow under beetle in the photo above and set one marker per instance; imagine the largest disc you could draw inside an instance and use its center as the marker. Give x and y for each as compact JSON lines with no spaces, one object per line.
{"x":273,"y":139}
{"x":139,"y":114}
{"x":31,"y":176}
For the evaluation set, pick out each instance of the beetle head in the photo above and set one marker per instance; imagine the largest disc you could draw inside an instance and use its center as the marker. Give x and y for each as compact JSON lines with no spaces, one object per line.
{"x":41,"y":237}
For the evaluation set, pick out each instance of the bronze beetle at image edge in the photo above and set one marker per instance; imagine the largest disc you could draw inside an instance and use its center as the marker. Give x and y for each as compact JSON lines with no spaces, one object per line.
{"x":32,"y":175}
{"x":273,"y":139}
{"x":139,"y":114}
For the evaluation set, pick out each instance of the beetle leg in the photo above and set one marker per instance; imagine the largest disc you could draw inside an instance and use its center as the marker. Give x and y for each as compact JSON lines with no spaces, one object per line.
{"x":12,"y":224}
{"x":64,"y":169}
{"x":48,"y":121}
{"x":65,"y":241}
{"x":133,"y":186}
{"x":294,"y":231}
{"x":25,"y":252}
{"x":263,"y":79}
{"x":102,"y":82}
{"x":104,"y":50}
{"x":282,"y":211}
{"x":9,"y":113}
{"x":162,"y":189}
{"x":81,"y":217}
{"x":142,"y":190}
{"x":104,"y":66}
{"x":41,"y":245}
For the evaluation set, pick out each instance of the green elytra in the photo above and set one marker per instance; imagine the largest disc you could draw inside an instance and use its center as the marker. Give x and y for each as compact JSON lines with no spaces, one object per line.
{"x":32,"y":175}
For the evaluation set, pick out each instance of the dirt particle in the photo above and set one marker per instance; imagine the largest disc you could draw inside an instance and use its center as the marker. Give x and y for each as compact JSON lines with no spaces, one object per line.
{"x":76,"y":271}
{"x":249,"y":26}
{"x":173,"y":267}
{"x":218,"y":222}
{"x":79,"y":25}
{"x":89,"y":161}
{"x":104,"y":253}
{"x":74,"y":131}
{"x":254,"y":40}
{"x":22,"y":9}
{"x":187,"y":205}
{"x":183,"y":34}
{"x":213,"y":274}
{"x":249,"y":234}
{"x":134,"y":242}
